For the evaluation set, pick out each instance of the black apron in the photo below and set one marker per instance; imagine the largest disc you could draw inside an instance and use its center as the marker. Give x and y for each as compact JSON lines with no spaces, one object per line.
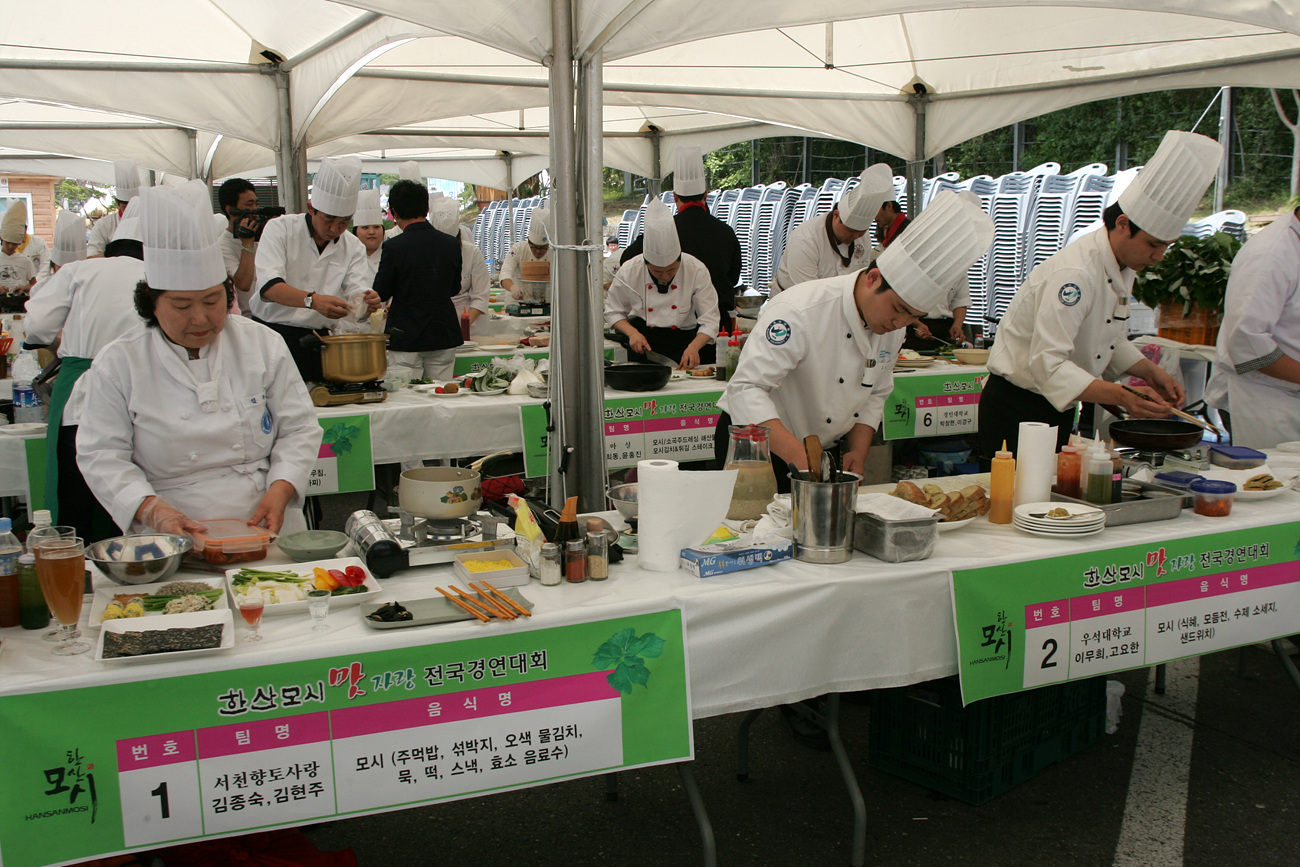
{"x":669,"y":342}
{"x":1004,"y":406}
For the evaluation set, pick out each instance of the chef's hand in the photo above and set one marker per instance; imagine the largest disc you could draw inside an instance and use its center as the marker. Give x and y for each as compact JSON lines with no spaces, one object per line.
{"x":637,"y":343}
{"x":329,"y":306}
{"x":163,"y":517}
{"x":372,"y":301}
{"x":1168,"y":387}
{"x":1139,"y":408}
{"x":958,"y":334}
{"x":855,"y":462}
{"x":690,"y":358}
{"x":922,"y":331}
{"x":270,"y":509}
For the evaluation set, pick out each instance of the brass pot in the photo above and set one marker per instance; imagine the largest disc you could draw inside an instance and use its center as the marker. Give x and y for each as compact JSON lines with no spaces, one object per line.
{"x":354,"y":357}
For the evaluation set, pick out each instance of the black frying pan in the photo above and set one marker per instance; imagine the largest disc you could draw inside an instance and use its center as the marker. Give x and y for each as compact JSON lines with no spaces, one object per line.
{"x":637,"y":377}
{"x":1154,"y":434}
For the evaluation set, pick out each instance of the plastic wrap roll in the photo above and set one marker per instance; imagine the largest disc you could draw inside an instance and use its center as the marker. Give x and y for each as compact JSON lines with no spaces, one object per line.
{"x":677,"y":510}
{"x":1035,"y":462}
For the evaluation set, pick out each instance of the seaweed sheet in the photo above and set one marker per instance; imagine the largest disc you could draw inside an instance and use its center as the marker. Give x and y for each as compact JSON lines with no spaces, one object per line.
{"x":161,"y":641}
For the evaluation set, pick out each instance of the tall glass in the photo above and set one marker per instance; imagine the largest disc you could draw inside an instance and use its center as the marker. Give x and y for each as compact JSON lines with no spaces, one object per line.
{"x":61,"y":569}
{"x":34,"y":539}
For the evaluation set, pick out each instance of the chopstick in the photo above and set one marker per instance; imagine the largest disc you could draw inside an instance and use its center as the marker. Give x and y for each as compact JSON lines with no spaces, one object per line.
{"x":469,"y":600}
{"x":506,"y":599}
{"x":470,"y":608}
{"x":1186,"y":416}
{"x":486,"y":602}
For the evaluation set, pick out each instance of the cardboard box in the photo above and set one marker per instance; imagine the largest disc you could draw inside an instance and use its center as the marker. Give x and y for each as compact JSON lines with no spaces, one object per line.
{"x":724,"y":557}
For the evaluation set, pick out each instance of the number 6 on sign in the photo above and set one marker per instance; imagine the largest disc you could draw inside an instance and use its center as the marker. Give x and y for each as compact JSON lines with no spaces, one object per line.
{"x":158,"y":781}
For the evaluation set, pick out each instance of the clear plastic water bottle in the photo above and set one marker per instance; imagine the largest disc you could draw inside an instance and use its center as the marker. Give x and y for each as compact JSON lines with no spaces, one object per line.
{"x":10,"y":550}
{"x":28,"y":408}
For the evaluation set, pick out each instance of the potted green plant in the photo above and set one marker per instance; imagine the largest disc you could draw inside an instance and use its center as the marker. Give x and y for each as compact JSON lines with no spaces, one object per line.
{"x":1187,"y":287}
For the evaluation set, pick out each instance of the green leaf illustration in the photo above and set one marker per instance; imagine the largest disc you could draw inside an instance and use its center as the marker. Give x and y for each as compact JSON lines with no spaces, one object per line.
{"x":342,"y":446}
{"x":623,"y":653}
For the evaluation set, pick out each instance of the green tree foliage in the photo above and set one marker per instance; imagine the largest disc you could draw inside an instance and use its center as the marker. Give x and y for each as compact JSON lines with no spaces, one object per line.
{"x":74,"y":194}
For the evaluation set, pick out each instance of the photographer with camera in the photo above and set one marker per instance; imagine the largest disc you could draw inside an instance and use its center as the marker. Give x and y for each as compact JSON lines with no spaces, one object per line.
{"x":238,"y":201}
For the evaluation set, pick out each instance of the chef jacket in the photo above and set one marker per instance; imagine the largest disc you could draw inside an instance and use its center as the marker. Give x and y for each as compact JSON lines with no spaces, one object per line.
{"x":231,"y":253}
{"x":1261,"y":323}
{"x":690,"y":300}
{"x":520,"y":252}
{"x":372,"y":261}
{"x":36,"y":249}
{"x":1068,"y":324}
{"x":143,"y":431}
{"x":811,"y":363}
{"x":93,"y":303}
{"x":288,"y":253}
{"x":102,"y":232}
{"x":475,"y":286}
{"x":809,"y":256}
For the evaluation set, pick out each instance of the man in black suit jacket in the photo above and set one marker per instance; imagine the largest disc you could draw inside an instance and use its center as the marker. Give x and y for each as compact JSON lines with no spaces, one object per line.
{"x":420,"y":272}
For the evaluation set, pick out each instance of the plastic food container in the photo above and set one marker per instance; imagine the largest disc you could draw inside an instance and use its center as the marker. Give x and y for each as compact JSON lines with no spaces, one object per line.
{"x":1212,"y":498}
{"x":1236,"y":457}
{"x":514,"y":576}
{"x":1176,"y":479}
{"x":230,"y":540}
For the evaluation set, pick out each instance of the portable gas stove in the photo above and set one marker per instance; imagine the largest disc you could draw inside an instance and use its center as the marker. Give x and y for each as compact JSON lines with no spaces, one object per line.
{"x":1193,"y":461}
{"x":426,"y":540}
{"x":344,"y":393}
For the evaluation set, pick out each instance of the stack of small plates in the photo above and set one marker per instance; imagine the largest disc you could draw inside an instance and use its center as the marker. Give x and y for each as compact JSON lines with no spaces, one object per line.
{"x":1082,"y":521}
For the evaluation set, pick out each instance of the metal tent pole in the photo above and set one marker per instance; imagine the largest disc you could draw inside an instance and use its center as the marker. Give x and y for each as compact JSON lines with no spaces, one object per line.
{"x":916,"y":165}
{"x":589,"y":436}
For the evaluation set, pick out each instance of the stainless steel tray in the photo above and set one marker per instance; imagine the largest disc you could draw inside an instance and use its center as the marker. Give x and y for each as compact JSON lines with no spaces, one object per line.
{"x":1143,"y":502}
{"x":430,"y":610}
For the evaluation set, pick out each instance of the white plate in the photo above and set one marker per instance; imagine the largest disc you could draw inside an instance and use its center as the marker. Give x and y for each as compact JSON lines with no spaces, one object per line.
{"x":1261,"y":495}
{"x":104,"y":596}
{"x":171,"y":621}
{"x":498,"y":347}
{"x":914,"y":362}
{"x":1081,"y":529}
{"x":1058,"y":535}
{"x":305,"y":570}
{"x":488,"y":393}
{"x":1025,"y":510}
{"x":945,"y":526}
{"x":1050,"y":523}
{"x":19,"y":430}
{"x":461,"y":393}
{"x":1292,"y":447}
{"x":468,"y":344}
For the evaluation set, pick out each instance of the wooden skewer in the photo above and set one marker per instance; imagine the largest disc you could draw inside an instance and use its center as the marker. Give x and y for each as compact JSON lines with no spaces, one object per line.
{"x":492,"y":610}
{"x":507,"y":600}
{"x":478,"y":614}
{"x":1186,"y":416}
{"x":486,"y":600}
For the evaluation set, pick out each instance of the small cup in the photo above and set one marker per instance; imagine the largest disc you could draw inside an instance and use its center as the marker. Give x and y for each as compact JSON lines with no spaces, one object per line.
{"x":318,"y":605}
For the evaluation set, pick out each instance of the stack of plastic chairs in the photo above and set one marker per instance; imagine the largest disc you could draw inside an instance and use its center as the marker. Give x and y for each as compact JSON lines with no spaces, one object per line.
{"x":743,"y":219}
{"x":791,"y":199}
{"x":985,"y":188}
{"x":762,"y":242}
{"x":1232,"y":222}
{"x":931,"y":187}
{"x":625,"y":226}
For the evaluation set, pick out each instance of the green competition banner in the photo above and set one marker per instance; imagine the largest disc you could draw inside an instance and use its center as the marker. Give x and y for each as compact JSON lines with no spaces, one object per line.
{"x":34,"y":448}
{"x":674,"y":426}
{"x":125,"y":766}
{"x":1023,"y":625}
{"x":932,"y":404}
{"x":346,"y":461}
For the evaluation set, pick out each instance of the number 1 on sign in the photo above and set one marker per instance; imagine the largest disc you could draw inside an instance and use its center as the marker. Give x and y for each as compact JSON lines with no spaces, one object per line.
{"x":161,"y":794}
{"x":160,"y":804}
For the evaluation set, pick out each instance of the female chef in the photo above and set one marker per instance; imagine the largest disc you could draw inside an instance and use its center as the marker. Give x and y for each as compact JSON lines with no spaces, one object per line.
{"x":1065,"y":335}
{"x":820,"y":360}
{"x":199,"y":415}
{"x":663,"y":300}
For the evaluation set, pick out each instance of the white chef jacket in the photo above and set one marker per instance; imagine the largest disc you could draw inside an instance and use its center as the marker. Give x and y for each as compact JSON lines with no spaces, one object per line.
{"x":811,"y":363}
{"x":691,"y":299}
{"x":809,"y":256}
{"x":520,"y":252}
{"x":1261,"y":323}
{"x":231,"y":254}
{"x":372,"y":263}
{"x":93,"y":303}
{"x":1068,"y":324}
{"x":288,"y":252}
{"x":610,"y":266}
{"x":143,"y":432}
{"x":475,"y":287}
{"x":102,"y":232}
{"x":39,"y":252}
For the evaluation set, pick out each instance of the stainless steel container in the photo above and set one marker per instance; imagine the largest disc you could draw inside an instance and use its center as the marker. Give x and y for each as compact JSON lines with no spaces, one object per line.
{"x":823,"y":517}
{"x":895,"y":541}
{"x":1142,"y":502}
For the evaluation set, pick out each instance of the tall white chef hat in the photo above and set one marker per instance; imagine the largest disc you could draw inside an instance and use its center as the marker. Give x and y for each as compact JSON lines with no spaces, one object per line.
{"x":182,"y":246}
{"x":410,"y":171}
{"x":69,"y":239}
{"x":128,"y":228}
{"x":688,"y":172}
{"x":368,"y":212}
{"x":13,"y":228}
{"x":859,"y":205}
{"x":539,"y":226}
{"x":126,"y":180}
{"x":927,"y":260}
{"x":662,"y":247}
{"x":1167,"y":190}
{"x":444,"y":213}
{"x":334,"y":189}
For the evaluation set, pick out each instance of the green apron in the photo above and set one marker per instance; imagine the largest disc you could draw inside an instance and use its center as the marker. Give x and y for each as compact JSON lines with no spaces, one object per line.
{"x":70,"y":370}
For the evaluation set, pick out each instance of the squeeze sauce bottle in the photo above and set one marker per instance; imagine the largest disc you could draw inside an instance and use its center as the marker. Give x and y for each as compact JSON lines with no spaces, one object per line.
{"x":1003,"y":486}
{"x":1098,"y":481}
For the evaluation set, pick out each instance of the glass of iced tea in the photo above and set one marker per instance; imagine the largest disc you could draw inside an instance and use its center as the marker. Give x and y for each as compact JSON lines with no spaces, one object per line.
{"x":251,"y":607}
{"x":34,"y":539}
{"x":61,"y":569}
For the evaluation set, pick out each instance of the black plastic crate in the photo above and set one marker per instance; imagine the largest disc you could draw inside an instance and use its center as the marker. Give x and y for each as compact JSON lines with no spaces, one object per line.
{"x":923,"y":734}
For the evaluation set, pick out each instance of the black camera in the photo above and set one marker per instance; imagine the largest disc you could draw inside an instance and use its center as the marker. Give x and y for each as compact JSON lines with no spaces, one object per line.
{"x":262,"y":215}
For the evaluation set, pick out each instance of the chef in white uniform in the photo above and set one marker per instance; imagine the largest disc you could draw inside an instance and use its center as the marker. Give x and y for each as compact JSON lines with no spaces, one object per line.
{"x":1258,"y":353}
{"x":1064,"y":338}
{"x":200,"y":415}
{"x":535,"y":248}
{"x":820,"y":360}
{"x":663,"y":300}
{"x":35,"y":248}
{"x":92,"y":303}
{"x":69,"y":240}
{"x":310,"y":268}
{"x":125,"y":188}
{"x":809,"y":251}
{"x":475,"y":286}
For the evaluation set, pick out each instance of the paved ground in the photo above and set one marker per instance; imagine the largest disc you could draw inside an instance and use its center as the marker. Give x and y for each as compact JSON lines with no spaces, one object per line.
{"x":1204,"y":776}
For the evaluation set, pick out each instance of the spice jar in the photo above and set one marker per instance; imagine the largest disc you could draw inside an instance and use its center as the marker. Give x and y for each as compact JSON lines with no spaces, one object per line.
{"x":575,"y":561}
{"x":597,"y":550}
{"x":551,"y":574}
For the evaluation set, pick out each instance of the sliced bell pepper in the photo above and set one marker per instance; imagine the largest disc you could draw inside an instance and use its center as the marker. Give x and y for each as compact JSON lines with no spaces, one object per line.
{"x":324,"y":579}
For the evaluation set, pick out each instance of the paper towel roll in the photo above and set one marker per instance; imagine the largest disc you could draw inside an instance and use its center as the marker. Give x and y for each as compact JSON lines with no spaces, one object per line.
{"x":1035,"y":462}
{"x":676,"y":510}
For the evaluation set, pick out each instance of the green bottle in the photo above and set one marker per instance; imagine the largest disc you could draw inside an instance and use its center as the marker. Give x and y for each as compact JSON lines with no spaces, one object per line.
{"x":33,"y":612}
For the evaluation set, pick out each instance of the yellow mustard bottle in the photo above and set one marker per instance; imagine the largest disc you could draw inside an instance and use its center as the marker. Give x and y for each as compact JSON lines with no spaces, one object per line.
{"x":1004,"y":486}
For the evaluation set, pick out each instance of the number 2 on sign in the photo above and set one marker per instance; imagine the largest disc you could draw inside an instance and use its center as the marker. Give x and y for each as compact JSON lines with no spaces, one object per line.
{"x":1050,"y":647}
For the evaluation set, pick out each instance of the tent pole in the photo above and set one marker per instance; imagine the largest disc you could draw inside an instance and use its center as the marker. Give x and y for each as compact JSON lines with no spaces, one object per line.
{"x":510,"y":201}
{"x":193,"y":136}
{"x":655,"y":185}
{"x":1225,"y":139}
{"x":284,"y":155}
{"x":916,"y":165}
{"x":589,"y":435}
